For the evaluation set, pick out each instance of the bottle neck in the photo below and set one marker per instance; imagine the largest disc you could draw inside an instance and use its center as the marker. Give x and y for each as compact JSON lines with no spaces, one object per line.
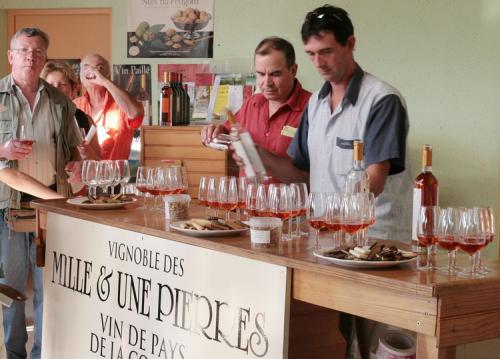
{"x":427,"y":168}
{"x":359,"y":164}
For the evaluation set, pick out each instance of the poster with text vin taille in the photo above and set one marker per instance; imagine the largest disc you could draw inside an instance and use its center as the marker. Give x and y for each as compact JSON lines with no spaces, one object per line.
{"x":170,"y":29}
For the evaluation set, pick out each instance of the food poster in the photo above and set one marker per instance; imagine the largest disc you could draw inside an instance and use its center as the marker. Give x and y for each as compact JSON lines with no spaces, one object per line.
{"x":170,"y":29}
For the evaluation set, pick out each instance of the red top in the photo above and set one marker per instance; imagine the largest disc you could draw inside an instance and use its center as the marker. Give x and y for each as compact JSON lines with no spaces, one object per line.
{"x":114,"y":129}
{"x":274,"y":133}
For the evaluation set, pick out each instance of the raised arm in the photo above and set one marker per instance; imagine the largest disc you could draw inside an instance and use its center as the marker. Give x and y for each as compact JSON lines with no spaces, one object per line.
{"x":124,"y":100}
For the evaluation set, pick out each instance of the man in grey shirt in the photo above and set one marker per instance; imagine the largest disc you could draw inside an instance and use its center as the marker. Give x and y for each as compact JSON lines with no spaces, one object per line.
{"x":352,"y":104}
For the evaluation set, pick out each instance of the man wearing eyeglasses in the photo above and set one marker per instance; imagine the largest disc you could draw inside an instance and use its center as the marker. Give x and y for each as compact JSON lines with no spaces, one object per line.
{"x":48,"y":116}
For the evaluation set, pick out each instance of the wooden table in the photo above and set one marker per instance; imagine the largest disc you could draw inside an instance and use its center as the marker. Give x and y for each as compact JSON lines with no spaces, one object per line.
{"x":443,"y":311}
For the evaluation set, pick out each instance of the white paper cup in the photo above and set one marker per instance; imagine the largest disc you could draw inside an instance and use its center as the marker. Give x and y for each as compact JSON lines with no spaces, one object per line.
{"x":265,"y":231}
{"x":177,"y":206}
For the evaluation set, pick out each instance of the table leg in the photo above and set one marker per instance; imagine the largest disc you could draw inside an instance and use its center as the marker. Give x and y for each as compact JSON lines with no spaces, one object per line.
{"x":41,"y":226}
{"x":427,"y":349}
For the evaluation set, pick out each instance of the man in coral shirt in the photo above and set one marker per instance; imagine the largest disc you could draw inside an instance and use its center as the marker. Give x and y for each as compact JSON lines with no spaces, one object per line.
{"x":273,"y":115}
{"x":115,"y":113}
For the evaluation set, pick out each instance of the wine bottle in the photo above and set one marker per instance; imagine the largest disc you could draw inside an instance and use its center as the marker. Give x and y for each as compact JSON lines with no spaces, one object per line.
{"x":357,"y":179}
{"x":145,"y":100}
{"x":166,"y":99}
{"x":176,"y":101}
{"x":244,"y":147}
{"x":425,"y":189}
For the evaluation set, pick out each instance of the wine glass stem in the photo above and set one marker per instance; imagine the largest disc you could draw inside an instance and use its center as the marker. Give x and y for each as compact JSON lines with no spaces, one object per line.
{"x":471,"y":265}
{"x":316,"y":233}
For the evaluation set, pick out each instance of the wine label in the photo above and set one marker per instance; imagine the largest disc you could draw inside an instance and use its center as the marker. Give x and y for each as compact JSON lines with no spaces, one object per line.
{"x":260,"y":236}
{"x":241,"y":152}
{"x":417,"y":203}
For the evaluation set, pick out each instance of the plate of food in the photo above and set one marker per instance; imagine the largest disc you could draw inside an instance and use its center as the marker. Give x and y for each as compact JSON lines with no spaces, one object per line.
{"x":201,"y":227}
{"x":374,"y":256}
{"x":102,"y":202}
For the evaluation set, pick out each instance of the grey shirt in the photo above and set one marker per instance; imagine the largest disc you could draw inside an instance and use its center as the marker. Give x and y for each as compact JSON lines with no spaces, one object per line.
{"x":375,"y":112}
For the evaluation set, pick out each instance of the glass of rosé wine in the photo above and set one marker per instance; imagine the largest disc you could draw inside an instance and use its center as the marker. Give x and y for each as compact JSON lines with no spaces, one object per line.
{"x":447,"y":235}
{"x":316,"y":211}
{"x":281,"y":205}
{"x":472,"y":239}
{"x":332,"y":217}
{"x":427,"y":231}
{"x":26,"y":138}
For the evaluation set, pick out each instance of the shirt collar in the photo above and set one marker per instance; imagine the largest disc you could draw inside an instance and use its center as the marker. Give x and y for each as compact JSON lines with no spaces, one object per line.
{"x":352,"y":90}
{"x":14,"y":87}
{"x":293,"y":100}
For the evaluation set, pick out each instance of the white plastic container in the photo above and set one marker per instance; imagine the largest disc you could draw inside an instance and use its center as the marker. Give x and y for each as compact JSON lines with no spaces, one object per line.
{"x":177,"y":206}
{"x":265,"y":232}
{"x":396,"y":345}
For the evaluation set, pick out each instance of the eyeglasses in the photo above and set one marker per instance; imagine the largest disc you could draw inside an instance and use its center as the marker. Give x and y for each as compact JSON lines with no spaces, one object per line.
{"x":319,"y":15}
{"x":38,"y":53}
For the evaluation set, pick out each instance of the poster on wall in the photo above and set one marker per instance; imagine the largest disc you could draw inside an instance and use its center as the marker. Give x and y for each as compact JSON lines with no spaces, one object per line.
{"x":170,"y":29}
{"x":136,"y":80}
{"x":142,"y":297}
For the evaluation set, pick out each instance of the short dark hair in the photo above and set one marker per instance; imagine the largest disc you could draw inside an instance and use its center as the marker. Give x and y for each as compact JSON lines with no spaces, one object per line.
{"x":30,"y":32}
{"x":278,"y":44}
{"x":328,"y":18}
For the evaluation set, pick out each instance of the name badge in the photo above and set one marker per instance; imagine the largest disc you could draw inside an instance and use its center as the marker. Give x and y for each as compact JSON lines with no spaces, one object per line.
{"x":288,"y":131}
{"x":345,"y":144}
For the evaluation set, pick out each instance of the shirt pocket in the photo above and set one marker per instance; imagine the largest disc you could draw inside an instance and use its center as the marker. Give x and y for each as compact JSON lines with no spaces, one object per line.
{"x":342,"y":156}
{"x":6,"y":124}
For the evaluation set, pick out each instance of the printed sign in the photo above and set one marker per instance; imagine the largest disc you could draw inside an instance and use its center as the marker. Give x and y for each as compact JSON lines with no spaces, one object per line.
{"x":170,"y":28}
{"x":113,"y":293}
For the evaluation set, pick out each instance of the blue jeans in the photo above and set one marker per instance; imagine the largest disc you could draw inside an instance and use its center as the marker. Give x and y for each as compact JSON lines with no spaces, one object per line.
{"x":19,"y":258}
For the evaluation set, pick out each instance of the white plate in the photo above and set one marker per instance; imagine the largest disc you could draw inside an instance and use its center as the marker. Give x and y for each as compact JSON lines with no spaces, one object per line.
{"x":78,"y":201}
{"x":207,"y":233}
{"x":359,"y":264}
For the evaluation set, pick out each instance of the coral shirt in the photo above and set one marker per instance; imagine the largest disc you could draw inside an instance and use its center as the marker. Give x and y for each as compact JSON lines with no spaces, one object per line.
{"x":114,"y":129}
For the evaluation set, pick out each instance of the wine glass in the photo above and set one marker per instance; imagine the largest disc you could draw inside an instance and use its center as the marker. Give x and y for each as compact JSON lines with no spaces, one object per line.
{"x":281,"y":204}
{"x":447,"y":235}
{"x":251,"y":199}
{"x":427,"y":231}
{"x":488,"y":224}
{"x":202,"y":191}
{"x":242,"y":191}
{"x":212,"y":200}
{"x":141,"y":182}
{"x":332,"y":217}
{"x":89,"y":177}
{"x":367,"y":216}
{"x":152,"y":185}
{"x":261,"y":200}
{"x":228,"y":194}
{"x":472,"y":238}
{"x":316,"y":211}
{"x":105,"y":175}
{"x":301,"y":197}
{"x":351,"y":216}
{"x":123,"y":168}
{"x":26,"y":137}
